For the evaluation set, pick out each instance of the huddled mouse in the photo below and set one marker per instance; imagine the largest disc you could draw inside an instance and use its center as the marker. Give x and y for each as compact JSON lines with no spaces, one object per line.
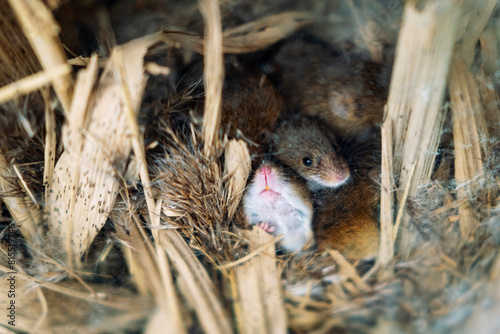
{"x":305,"y":118}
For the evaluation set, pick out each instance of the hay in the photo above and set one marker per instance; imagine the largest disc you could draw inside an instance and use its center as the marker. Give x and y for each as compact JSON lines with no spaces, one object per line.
{"x":90,"y":162}
{"x":250,"y":37}
{"x":17,"y":205}
{"x":259,"y":300}
{"x":387,"y":234}
{"x":41,"y":30}
{"x":213,"y":75}
{"x":416,"y":95}
{"x":125,"y":211}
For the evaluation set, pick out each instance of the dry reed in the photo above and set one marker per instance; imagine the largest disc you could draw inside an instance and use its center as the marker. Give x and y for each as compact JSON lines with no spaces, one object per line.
{"x":172,"y":204}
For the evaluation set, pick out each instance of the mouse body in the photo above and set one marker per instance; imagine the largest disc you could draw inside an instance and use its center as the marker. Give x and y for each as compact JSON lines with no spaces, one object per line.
{"x":251,"y":104}
{"x":279,"y":204}
{"x":347,"y":220}
{"x":348,"y":94}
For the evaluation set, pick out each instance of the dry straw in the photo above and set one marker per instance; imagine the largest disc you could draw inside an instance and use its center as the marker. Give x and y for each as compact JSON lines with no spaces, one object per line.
{"x":42,"y":32}
{"x":189,"y":264}
{"x":417,"y":90}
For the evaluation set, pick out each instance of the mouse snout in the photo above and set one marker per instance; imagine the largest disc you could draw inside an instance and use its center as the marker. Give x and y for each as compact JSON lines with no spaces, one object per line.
{"x":335,"y":173}
{"x":265,"y":170}
{"x":265,"y":177}
{"x":343,"y":175}
{"x":336,"y":178}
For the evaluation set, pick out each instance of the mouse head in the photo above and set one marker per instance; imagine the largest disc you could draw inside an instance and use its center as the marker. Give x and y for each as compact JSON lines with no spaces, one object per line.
{"x":268,"y":182}
{"x":302,"y":145}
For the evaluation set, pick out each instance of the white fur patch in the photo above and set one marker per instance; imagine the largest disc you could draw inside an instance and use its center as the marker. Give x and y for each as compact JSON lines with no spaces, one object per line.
{"x":288,"y":213}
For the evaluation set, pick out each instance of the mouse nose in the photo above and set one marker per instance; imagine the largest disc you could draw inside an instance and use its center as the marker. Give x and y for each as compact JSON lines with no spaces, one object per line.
{"x":265,"y":170}
{"x":343,"y":175}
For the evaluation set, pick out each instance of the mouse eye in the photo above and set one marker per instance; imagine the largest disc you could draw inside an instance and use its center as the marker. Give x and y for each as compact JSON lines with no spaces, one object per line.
{"x":307,"y":161}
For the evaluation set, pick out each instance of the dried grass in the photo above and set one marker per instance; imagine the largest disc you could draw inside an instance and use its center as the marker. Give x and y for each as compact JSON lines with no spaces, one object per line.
{"x":418,"y":85}
{"x":259,"y":299}
{"x":387,"y":235}
{"x":21,"y":211}
{"x":42,"y":31}
{"x":213,"y":75}
{"x":190,"y":261}
{"x":92,"y":157}
{"x":250,"y":37}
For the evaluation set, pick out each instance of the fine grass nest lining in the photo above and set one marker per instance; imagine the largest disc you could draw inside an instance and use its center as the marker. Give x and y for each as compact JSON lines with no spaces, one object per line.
{"x":96,"y":250}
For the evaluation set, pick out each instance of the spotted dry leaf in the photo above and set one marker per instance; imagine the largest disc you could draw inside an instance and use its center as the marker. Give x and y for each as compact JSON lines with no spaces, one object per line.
{"x":97,"y":146}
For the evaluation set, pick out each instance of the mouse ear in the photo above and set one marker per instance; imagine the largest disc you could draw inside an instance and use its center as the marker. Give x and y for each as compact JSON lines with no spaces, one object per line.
{"x":341,"y":103}
{"x":265,"y":136}
{"x":263,"y":80}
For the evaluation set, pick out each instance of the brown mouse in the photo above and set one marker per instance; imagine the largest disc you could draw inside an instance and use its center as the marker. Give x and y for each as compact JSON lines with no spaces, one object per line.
{"x":309,"y":148}
{"x":347,"y":219}
{"x":348,"y":94}
{"x":251,"y":104}
{"x":279,"y":203}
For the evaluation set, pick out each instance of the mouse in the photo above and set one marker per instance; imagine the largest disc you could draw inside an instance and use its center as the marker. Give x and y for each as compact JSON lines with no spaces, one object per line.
{"x":348,"y":93}
{"x":347,"y":220}
{"x":279,"y":203}
{"x":251,"y":104}
{"x":310,"y":149}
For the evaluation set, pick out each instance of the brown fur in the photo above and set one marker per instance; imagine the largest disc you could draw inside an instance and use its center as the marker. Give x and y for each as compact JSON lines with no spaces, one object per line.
{"x":347,"y":220}
{"x":349,"y":96}
{"x":250,"y":105}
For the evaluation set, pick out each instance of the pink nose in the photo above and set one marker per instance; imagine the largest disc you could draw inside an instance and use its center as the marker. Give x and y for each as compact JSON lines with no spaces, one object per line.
{"x":343,"y":175}
{"x":265,"y":170}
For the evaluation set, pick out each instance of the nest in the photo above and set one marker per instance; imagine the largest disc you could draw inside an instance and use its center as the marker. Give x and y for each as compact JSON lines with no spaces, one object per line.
{"x":119,"y":214}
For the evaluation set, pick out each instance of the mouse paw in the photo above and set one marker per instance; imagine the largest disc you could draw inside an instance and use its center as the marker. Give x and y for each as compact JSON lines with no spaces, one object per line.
{"x":266,"y":227}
